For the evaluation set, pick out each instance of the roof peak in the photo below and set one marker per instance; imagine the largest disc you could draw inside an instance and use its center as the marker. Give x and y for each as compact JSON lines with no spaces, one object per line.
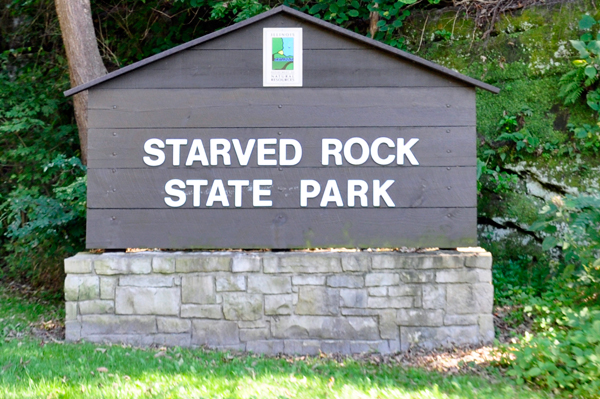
{"x":290,"y":11}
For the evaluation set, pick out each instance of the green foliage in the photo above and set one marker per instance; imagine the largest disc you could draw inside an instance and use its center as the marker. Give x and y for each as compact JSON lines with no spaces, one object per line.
{"x":355,"y":15}
{"x":42,"y":194}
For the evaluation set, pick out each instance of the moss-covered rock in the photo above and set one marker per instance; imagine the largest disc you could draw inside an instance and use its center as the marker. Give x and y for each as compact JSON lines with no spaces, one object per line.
{"x":525,"y":55}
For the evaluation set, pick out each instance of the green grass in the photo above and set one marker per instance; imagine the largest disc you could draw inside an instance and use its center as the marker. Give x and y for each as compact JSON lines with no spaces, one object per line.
{"x":31,"y":368}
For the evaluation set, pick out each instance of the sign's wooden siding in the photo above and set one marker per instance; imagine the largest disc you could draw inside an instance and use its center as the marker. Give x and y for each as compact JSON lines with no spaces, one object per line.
{"x":215,"y":90}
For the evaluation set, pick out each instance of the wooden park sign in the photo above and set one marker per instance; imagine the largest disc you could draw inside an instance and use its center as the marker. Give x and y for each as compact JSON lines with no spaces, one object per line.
{"x":282,"y":131}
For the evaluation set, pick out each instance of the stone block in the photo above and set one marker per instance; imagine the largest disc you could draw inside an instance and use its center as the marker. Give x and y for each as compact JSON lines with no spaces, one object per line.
{"x":79,"y":264}
{"x":356,"y":263}
{"x":72,"y":330}
{"x":201,"y":262}
{"x":381,"y":279}
{"x":172,"y":339}
{"x":111,"y":324}
{"x":479,"y":260}
{"x":202,"y":311}
{"x":345,"y":281}
{"x":70,"y":311}
{"x":469,"y":298}
{"x":329,"y":346}
{"x":242,"y":306}
{"x":486,"y":328}
{"x":253,"y":324}
{"x":231,"y":282}
{"x":382,"y":302}
{"x":464,"y":276}
{"x":108,"y":286}
{"x":246,"y":264}
{"x":254,"y":334}
{"x":96,"y":306}
{"x":384,"y":262}
{"x":145,"y":281}
{"x":417,"y":276}
{"x":307,"y":263}
{"x":81,"y":287}
{"x":147,"y":301}
{"x":173,"y":325}
{"x":198,"y":289}
{"x":420,"y":317}
{"x":215,"y":332}
{"x":323,"y":327}
{"x":404,"y":290}
{"x":302,"y":347}
{"x":353,"y":298}
{"x":461,"y":320}
{"x":308,"y":280}
{"x":432,"y":337}
{"x":261,"y":284}
{"x":434,"y":296}
{"x":388,"y":328}
{"x":381,"y":346}
{"x":278,"y":304}
{"x":164,"y":264}
{"x":378,"y":291}
{"x":126,"y":339}
{"x":359,"y":312}
{"x":317,"y":300}
{"x":123,"y":263}
{"x":266,"y":347}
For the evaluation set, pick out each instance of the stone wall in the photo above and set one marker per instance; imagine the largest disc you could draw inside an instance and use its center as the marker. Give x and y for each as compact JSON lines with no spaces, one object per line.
{"x":292,"y":302}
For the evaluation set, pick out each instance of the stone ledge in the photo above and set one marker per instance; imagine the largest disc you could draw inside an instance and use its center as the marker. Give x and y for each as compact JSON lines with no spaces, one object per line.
{"x":282,"y":302}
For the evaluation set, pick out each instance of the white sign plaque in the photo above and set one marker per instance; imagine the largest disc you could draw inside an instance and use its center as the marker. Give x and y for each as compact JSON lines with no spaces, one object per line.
{"x":282,"y":57}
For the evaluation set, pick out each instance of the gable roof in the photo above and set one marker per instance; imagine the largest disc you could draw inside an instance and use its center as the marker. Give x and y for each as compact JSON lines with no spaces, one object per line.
{"x":290,"y":11}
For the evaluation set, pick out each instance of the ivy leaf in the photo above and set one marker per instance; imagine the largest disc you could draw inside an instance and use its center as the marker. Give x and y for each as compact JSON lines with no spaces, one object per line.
{"x":549,"y":243}
{"x":590,"y":71}
{"x":586,"y":22}
{"x":353,"y":13}
{"x":594,"y":46}
{"x":380,"y":23}
{"x":579,"y":46}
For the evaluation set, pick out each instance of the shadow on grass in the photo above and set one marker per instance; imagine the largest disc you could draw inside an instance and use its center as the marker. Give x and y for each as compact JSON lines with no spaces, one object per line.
{"x":30,"y":369}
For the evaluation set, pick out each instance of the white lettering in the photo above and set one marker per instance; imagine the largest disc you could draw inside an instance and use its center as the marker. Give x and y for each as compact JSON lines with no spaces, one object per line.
{"x":348,"y":151}
{"x":159,"y":154}
{"x":331,"y":194}
{"x":196,"y":184}
{"x":238,"y":184}
{"x":283,"y":143}
{"x":243,"y":157}
{"x":262,"y":152}
{"x":305,"y":194}
{"x":197,"y":153}
{"x":404,"y":149}
{"x":257,"y":191}
{"x":215,"y":151}
{"x":173,"y":192}
{"x":361,"y":193}
{"x":176,"y":143}
{"x":375,"y":151}
{"x":326,"y":151}
{"x":380,"y":192}
{"x":217,"y":193}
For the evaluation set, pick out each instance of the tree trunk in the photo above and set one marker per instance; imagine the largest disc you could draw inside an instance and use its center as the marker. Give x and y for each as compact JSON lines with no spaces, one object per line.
{"x":85,"y":63}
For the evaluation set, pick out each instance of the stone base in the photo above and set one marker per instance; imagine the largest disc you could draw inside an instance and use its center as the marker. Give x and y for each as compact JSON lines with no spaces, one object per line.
{"x":290,"y":302}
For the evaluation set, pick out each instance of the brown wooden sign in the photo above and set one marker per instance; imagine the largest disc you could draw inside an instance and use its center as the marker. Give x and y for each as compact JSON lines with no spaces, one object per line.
{"x":190,"y":149}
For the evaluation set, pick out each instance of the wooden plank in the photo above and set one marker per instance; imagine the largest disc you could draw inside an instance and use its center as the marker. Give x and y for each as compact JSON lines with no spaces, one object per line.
{"x":282,"y":107}
{"x":243,"y":68}
{"x":412,"y":187}
{"x":437,"y":146}
{"x":272,"y":228}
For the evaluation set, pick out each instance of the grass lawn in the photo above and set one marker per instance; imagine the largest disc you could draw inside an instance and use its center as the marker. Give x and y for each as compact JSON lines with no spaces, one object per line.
{"x":34,"y":368}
